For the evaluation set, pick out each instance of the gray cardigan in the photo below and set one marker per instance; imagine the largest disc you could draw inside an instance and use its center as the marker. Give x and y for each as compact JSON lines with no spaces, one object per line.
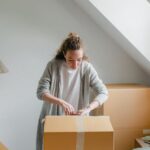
{"x":49,"y":82}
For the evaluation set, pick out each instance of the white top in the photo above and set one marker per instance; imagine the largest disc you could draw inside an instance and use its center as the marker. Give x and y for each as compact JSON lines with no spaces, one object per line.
{"x":70,"y":84}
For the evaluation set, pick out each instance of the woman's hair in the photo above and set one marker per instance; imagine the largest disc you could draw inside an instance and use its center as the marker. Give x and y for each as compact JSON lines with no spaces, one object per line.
{"x":72,"y":42}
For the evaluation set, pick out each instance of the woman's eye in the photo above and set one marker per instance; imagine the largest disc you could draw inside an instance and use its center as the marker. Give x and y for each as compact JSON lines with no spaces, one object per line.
{"x":74,"y":60}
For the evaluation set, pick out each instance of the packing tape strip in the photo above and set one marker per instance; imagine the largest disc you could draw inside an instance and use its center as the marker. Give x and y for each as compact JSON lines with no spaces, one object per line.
{"x":80,"y":133}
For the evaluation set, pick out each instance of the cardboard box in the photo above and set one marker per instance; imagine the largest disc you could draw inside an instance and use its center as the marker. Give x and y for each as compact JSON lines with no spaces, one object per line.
{"x":2,"y":147}
{"x":129,"y":109}
{"x":78,"y":133}
{"x":128,"y":106}
{"x":125,"y":138}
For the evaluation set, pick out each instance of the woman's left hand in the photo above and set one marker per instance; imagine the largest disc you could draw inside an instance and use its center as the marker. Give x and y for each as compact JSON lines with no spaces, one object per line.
{"x":84,"y":112}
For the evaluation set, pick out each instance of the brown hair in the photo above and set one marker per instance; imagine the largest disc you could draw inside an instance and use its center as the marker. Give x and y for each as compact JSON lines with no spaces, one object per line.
{"x":72,"y":42}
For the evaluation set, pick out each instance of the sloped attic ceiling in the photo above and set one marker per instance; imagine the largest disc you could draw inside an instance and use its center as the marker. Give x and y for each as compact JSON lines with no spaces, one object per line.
{"x":121,"y":24}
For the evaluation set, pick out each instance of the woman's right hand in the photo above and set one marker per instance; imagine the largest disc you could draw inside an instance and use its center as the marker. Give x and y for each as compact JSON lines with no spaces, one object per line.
{"x":68,"y":108}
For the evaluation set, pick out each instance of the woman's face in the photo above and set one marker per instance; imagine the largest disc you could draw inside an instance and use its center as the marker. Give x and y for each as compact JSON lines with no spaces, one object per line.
{"x":74,"y":58}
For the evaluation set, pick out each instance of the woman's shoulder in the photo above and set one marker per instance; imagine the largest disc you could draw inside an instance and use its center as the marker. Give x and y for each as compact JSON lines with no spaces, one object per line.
{"x":53,"y":65}
{"x":87,"y":65}
{"x":54,"y":62}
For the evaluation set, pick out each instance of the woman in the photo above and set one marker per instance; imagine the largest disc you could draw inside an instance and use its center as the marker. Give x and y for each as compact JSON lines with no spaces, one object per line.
{"x":66,"y":82}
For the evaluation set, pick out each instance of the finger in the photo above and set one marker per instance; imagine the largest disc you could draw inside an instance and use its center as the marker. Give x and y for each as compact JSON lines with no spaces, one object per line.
{"x":71,"y":109}
{"x":75,"y":113}
{"x":66,"y":111}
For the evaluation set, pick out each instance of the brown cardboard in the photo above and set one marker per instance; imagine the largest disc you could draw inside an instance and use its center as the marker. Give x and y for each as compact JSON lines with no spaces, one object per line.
{"x":125,"y":138}
{"x":129,"y":109}
{"x":62,"y":132}
{"x":2,"y":147}
{"x":128,"y":106}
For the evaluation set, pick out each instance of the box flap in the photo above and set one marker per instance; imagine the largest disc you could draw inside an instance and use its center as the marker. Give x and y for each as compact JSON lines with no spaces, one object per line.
{"x":77,"y":123}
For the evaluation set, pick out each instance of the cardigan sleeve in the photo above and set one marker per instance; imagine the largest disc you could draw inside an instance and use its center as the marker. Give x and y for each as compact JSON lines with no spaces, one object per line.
{"x":44,"y":82}
{"x":97,"y":85}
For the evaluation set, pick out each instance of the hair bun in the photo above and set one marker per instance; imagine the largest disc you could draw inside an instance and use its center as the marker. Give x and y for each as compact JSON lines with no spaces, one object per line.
{"x":73,"y":35}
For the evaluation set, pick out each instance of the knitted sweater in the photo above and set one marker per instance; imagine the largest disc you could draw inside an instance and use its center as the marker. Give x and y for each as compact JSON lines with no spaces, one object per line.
{"x":50,"y":82}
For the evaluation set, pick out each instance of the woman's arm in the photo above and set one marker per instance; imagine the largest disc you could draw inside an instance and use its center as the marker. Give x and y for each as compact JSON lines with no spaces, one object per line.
{"x":99,"y":89}
{"x":43,"y":92}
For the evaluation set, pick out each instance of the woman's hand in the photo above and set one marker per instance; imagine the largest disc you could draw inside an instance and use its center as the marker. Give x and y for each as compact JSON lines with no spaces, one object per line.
{"x":84,"y":112}
{"x":68,"y":108}
{"x":89,"y":108}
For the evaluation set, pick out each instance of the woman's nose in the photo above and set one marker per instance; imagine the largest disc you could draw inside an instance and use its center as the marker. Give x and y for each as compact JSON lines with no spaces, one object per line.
{"x":75,"y":64}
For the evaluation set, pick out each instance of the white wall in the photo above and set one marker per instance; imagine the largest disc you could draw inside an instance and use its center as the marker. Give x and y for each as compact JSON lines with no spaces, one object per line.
{"x":30,"y":31}
{"x":131,"y":18}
